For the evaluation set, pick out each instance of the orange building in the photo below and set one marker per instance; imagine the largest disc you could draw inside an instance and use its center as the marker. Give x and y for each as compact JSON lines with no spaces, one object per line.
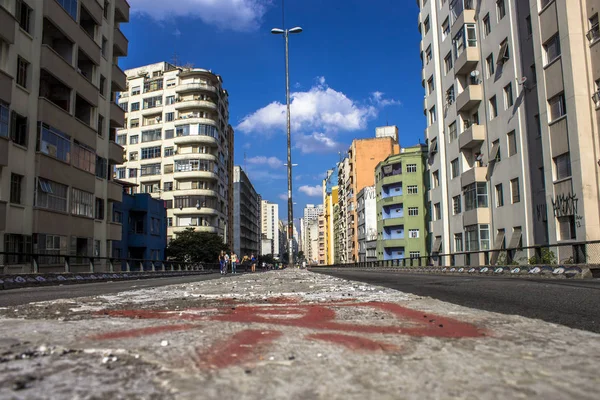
{"x":363,"y":157}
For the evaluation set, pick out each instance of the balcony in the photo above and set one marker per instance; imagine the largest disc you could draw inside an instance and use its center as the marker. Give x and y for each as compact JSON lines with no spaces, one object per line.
{"x":3,"y":152}
{"x":116,"y":153}
{"x":472,"y":137}
{"x":207,"y":229}
{"x":56,"y":65}
{"x":195,"y":211}
{"x":189,"y":104}
{"x":187,"y":175}
{"x":117,"y":115}
{"x":115,"y":192}
{"x":476,"y":174}
{"x":466,"y":61}
{"x":114,"y":231}
{"x":476,"y":216}
{"x":195,"y":156}
{"x":466,"y":16}
{"x":196,"y":139}
{"x":195,"y":87}
{"x":121,"y":11}
{"x":119,"y":79}
{"x":196,"y":192}
{"x":469,"y":98}
{"x":120,"y":44}
{"x":388,"y":180}
{"x":393,"y":222}
{"x":394,"y":243}
{"x":8,"y":23}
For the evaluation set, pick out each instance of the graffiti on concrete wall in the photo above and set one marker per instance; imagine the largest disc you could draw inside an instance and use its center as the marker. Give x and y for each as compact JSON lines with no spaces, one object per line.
{"x":565,"y":205}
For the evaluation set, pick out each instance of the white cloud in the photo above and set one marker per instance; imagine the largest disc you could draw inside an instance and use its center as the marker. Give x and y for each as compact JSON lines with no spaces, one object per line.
{"x":263,"y":175}
{"x":236,"y":15}
{"x":312,"y":191}
{"x":318,"y":143}
{"x":378,"y":99}
{"x":272,"y":162}
{"x":321,"y":108}
{"x":283,"y":196}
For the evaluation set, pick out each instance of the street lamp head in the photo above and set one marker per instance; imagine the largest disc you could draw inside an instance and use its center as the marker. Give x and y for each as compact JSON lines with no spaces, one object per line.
{"x":277,"y":31}
{"x":297,"y":29}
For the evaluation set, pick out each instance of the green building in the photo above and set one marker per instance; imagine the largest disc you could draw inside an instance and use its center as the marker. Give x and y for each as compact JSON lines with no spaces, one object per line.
{"x":402,"y":215}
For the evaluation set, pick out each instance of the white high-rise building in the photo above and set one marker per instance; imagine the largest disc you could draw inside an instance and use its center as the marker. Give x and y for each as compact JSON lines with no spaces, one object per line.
{"x":311,"y":213}
{"x":270,"y":228}
{"x":179,"y":145}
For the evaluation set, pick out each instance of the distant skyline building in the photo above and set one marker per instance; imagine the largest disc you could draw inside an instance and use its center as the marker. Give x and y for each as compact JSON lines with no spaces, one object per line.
{"x":367,"y":224}
{"x":311,"y":213}
{"x":246,"y":215}
{"x":270,"y":228}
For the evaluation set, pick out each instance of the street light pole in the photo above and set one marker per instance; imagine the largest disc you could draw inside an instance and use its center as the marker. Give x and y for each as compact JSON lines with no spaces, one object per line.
{"x":286,"y":33}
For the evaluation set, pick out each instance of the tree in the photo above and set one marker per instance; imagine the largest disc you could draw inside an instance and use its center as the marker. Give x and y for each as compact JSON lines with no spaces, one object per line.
{"x":267,"y":258}
{"x":192,"y":246}
{"x":301,"y":256}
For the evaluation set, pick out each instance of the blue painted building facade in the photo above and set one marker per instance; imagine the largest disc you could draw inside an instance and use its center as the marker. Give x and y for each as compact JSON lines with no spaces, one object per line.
{"x":144,"y":222}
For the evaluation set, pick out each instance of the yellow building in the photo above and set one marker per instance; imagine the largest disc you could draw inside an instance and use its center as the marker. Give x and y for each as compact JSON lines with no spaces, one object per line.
{"x":330,"y":197}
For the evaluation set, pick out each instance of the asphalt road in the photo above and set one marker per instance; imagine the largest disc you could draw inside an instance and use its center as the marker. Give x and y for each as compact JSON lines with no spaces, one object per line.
{"x":573,"y":303}
{"x":15,"y":297}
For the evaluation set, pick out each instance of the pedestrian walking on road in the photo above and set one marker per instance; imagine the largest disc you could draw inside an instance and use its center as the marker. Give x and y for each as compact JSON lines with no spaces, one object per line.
{"x":233,"y":262}
{"x":226,"y":257}
{"x":253,"y":260}
{"x":221,"y":261}
{"x":245,"y":262}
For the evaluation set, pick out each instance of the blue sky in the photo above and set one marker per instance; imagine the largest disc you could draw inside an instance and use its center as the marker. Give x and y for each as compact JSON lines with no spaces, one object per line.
{"x":356,"y":66}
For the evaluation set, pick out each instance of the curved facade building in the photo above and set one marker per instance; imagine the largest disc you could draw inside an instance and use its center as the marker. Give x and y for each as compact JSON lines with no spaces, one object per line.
{"x":179,"y":145}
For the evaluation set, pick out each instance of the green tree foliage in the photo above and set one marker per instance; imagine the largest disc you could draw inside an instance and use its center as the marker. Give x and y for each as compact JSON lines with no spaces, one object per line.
{"x":192,"y":246}
{"x":547,"y":256}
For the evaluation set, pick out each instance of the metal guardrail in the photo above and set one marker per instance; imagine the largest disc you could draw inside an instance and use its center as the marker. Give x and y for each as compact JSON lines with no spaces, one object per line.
{"x":22,"y":263}
{"x":561,"y":254}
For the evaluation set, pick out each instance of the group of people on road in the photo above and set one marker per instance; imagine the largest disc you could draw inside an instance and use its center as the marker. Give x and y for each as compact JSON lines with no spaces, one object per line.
{"x":226,"y":260}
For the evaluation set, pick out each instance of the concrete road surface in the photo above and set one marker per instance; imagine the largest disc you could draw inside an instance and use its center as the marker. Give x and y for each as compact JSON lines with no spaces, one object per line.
{"x":286,"y":335}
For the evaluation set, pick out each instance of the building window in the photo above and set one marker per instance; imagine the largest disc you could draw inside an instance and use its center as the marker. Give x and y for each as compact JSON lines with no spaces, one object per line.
{"x":412,"y":189}
{"x":154,"y":85}
{"x":413,"y":233}
{"x":54,"y":143}
{"x":51,"y":195}
{"x":448,"y":63}
{"x":487,"y":26}
{"x":504,"y":54}
{"x":476,"y":196}
{"x":169,"y":152}
{"x":4,"y":119}
{"x":150,"y":169}
{"x":152,"y":135}
{"x":428,"y":55}
{"x":538,"y":125}
{"x":477,"y":237}
{"x":121,"y":140}
{"x":499,"y":195}
{"x":489,"y":63}
{"x":168,"y":186}
{"x":133,"y":172}
{"x":430,"y":85}
{"x":168,"y":168}
{"x":493,"y":107}
{"x":19,"y":129}
{"x":557,"y":106}
{"x":169,"y":221}
{"x":102,"y":85}
{"x":100,"y":125}
{"x":134,"y":123}
{"x":171,"y":82}
{"x":16,"y":182}
{"x":135,"y":91}
{"x":134,"y":139}
{"x":99,"y":209}
{"x":120,"y":173}
{"x":515,"y":190}
{"x":552,"y":49}
{"x":82,"y":203}
{"x":566,"y":227}
{"x":455,"y":168}
{"x":458,"y":242}
{"x":497,"y":157}
{"x":466,"y":37}
{"x":452,"y":132}
{"x":104,"y":47}
{"x":169,"y":100}
{"x":501,"y":9}
{"x":456,"y":205}
{"x":435,"y":177}
{"x":562,"y":166}
{"x":84,"y":157}
{"x":151,"y":152}
{"x":411,"y":168}
{"x":133,"y":156}
{"x":169,"y":133}
{"x":23,"y":15}
{"x":135,"y":106}
{"x":413,"y":211}
{"x":528,"y":25}
{"x":414,"y":254}
{"x":450,"y":96}
{"x":432,"y":116}
{"x":508,"y":96}
{"x":437,"y":212}
{"x":20,"y":244}
{"x":426,"y":25}
{"x":101,"y":167}
{"x":594,"y":32}
{"x":152,"y":102}
{"x":445,"y":28}
{"x":151,"y":187}
{"x":106,"y":9}
{"x":512,"y":143}
{"x":169,"y":117}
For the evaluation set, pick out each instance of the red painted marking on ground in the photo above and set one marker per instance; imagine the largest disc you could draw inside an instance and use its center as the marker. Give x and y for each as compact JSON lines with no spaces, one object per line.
{"x":241,"y":347}
{"x":356,"y":343}
{"x":137,"y":333}
{"x":284,"y":300}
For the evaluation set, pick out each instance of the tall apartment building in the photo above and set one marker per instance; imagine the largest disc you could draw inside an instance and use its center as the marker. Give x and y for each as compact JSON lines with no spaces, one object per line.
{"x":510,"y":118}
{"x":246,"y":215}
{"x":270,"y":228}
{"x":402,"y":213}
{"x":311,"y":244}
{"x":322,"y":239}
{"x":330,"y":198}
{"x":337,"y":235}
{"x":310,"y":215}
{"x":355,"y":173}
{"x":58,"y":77}
{"x":179,"y":145}
{"x":367,"y":224}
